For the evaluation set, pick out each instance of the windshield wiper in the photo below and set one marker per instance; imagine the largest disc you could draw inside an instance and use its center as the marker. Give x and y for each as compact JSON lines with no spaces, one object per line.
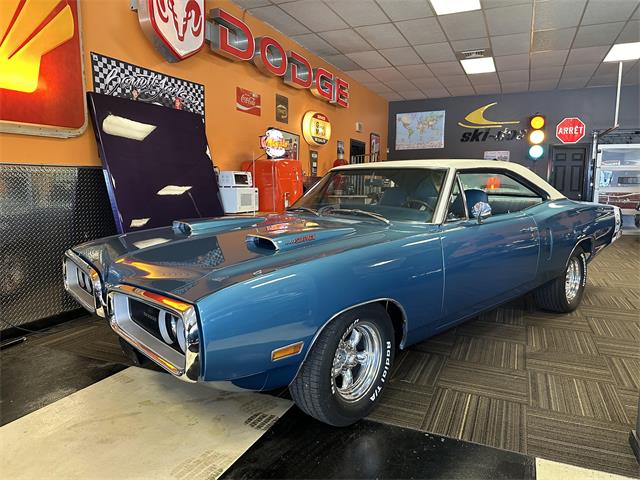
{"x":357,"y":211}
{"x":303,"y":209}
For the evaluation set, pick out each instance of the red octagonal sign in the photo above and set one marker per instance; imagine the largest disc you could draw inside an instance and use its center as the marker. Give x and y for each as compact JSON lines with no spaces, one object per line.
{"x":570,"y":130}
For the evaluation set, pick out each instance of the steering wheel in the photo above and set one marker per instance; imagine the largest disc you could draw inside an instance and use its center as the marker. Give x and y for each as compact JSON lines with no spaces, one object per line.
{"x":418,"y":205}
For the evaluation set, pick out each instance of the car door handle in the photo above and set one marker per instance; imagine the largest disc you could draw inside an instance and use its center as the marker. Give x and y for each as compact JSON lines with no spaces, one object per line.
{"x":529,"y":229}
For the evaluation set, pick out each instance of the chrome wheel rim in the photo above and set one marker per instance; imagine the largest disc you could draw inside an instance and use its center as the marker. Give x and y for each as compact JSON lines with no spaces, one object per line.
{"x":357,"y":361}
{"x":573,"y":279}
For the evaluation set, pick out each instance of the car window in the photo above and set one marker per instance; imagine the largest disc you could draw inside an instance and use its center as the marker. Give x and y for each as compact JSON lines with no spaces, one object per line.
{"x":404,"y":194}
{"x":505,"y":193}
{"x":456,"y":209}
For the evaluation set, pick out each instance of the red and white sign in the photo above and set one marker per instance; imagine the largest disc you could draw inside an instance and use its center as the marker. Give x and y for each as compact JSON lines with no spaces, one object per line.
{"x":248,"y":101}
{"x":176,"y":27}
{"x":41,"y":80}
{"x":570,"y":130}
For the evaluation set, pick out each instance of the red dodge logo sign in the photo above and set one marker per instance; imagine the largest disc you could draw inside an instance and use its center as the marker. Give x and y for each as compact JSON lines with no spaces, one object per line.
{"x":570,"y":130}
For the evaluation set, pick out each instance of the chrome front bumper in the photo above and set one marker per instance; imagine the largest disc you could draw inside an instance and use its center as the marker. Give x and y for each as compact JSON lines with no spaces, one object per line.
{"x":83,"y":283}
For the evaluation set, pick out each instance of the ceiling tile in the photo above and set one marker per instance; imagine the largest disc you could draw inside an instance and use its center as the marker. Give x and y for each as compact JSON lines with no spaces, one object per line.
{"x":543,"y":84}
{"x":362,"y":76}
{"x":247,"y":4}
{"x":421,"y":31}
{"x":596,"y":35}
{"x":557,"y":14}
{"x":454,"y":80}
{"x":508,"y":20}
{"x":636,"y":16}
{"x":436,"y":92}
{"x":484,"y":79}
{"x":385,"y":35}
{"x":314,"y":43}
{"x":446,"y":68}
{"x":631,"y":32}
{"x":583,"y":70}
{"x":342,"y":62}
{"x":460,"y":26}
{"x":314,"y":15}
{"x":514,"y":76}
{"x":603,"y":11}
{"x":427,"y":83}
{"x":461,"y":91}
{"x":632,"y":77}
{"x":401,"y":56}
{"x":548,"y":58}
{"x":546,"y":73}
{"x":412,"y":94}
{"x":399,"y":85}
{"x":278,"y":19}
{"x":471,"y":44}
{"x":487,"y":4}
{"x":515,"y":87}
{"x":347,"y":41}
{"x":392,"y":96}
{"x":358,"y":12}
{"x":510,"y":44}
{"x":586,"y":55}
{"x":487,"y":89}
{"x":612,"y":68}
{"x":553,"y":39}
{"x":572,"y":82}
{"x":512,"y":62}
{"x":406,"y":9}
{"x":370,"y":59}
{"x":377,"y":87}
{"x":437,"y":52}
{"x":386,"y":74}
{"x":601,"y":81}
{"x":415,"y":71}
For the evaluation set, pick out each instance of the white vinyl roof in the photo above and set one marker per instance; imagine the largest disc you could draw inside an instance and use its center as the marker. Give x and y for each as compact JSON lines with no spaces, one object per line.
{"x":461,"y":164}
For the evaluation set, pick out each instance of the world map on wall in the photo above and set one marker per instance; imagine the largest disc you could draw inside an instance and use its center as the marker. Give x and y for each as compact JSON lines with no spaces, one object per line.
{"x":420,"y":130}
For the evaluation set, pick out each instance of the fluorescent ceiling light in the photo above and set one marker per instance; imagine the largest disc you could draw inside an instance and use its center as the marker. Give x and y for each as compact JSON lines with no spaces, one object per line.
{"x":139,"y":222}
{"x":150,"y":242}
{"x":444,"y":7}
{"x":123,"y":127}
{"x":174,"y":190}
{"x":478,"y":65}
{"x":623,"y":51}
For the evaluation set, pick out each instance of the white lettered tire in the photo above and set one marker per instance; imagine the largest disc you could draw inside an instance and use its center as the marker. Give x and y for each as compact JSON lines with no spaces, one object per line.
{"x":348,"y":365}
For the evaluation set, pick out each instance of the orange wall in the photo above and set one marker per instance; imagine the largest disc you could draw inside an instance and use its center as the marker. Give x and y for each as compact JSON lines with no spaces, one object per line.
{"x":110,"y":28}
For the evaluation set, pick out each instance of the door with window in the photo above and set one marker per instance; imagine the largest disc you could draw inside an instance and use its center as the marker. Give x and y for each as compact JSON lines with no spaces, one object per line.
{"x":487,"y":263}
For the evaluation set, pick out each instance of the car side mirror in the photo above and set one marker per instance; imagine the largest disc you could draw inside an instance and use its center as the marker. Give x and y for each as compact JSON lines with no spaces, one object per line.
{"x":481,"y":210}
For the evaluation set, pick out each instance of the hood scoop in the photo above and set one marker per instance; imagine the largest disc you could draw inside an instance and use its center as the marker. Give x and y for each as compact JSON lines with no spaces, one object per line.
{"x":195,"y":226}
{"x":265,"y":241}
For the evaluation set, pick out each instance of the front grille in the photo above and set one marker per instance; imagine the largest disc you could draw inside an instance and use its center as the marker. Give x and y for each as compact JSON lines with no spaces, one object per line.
{"x":149,"y":318}
{"x":84,"y":282}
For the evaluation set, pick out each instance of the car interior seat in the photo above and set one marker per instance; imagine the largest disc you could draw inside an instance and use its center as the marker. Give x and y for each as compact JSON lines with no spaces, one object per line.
{"x":427,"y":192}
{"x":393,"y":197}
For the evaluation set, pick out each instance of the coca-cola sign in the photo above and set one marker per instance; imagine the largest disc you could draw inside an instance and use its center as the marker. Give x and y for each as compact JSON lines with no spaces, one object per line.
{"x":175,"y":27}
{"x":248,"y":101}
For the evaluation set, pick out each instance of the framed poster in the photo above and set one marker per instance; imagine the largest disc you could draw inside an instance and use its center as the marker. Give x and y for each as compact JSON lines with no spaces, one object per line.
{"x":125,"y":80}
{"x":42,"y":90}
{"x":282,"y":108}
{"x":313,"y":161}
{"x":420,"y":130}
{"x":374,"y":147}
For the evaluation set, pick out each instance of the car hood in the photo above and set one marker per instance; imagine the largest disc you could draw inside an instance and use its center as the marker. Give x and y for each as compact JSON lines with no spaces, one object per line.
{"x":195,"y":258}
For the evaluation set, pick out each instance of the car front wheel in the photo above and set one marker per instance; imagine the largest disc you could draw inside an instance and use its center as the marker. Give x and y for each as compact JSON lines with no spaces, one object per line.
{"x":564,"y":293}
{"x":344,"y":373}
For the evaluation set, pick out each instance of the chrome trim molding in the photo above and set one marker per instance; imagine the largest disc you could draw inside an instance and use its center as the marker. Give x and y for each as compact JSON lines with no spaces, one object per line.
{"x":93,"y":302}
{"x":186,"y":367}
{"x":375,"y":300}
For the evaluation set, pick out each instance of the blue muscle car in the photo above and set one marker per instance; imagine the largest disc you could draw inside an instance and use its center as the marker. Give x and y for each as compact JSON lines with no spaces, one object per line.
{"x":375,"y":257}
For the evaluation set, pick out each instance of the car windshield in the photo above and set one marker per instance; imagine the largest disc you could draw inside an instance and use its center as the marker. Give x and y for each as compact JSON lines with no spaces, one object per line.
{"x":377,"y":194}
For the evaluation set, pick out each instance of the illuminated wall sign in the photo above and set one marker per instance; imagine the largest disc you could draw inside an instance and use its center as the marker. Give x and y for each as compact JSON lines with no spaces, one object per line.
{"x":316,"y":128}
{"x":231,"y":38}
{"x":482,"y":127}
{"x":41,"y":79}
{"x":274,"y":143}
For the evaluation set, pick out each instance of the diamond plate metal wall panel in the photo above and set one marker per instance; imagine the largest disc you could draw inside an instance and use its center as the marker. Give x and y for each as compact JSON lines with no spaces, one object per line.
{"x":43,"y":212}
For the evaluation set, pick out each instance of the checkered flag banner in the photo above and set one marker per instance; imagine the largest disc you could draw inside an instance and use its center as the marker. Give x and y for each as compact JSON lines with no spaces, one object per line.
{"x":122,"y":79}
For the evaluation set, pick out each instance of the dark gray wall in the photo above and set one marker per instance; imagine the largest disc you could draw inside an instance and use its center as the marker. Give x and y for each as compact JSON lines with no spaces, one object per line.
{"x":595,"y":106}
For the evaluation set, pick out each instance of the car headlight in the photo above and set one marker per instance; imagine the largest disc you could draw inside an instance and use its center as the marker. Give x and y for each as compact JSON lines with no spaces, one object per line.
{"x":172,"y":329}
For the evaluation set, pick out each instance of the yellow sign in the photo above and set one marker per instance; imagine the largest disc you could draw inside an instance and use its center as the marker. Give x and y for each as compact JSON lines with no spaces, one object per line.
{"x":316,"y":128}
{"x":478,"y":120}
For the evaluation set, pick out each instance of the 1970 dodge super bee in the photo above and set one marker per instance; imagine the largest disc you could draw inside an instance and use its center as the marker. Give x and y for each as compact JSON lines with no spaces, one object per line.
{"x":375,"y":257}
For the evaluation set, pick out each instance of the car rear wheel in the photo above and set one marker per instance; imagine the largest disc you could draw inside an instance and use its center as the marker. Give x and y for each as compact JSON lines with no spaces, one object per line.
{"x":564,"y":293}
{"x":346,"y":368}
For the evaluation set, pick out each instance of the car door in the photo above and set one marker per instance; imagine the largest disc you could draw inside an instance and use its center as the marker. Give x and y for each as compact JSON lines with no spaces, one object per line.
{"x":485,"y":263}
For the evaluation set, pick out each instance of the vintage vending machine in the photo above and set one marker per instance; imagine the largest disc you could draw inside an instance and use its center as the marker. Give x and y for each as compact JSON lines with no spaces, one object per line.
{"x":279,"y":182}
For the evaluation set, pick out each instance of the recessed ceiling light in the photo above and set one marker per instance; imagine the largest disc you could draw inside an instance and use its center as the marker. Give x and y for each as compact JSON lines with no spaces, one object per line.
{"x":623,"y":51}
{"x":444,"y":7}
{"x":478,"y":65}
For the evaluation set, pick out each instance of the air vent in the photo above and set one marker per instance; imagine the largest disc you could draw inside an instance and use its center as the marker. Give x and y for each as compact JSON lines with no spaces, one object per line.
{"x":475,"y":53}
